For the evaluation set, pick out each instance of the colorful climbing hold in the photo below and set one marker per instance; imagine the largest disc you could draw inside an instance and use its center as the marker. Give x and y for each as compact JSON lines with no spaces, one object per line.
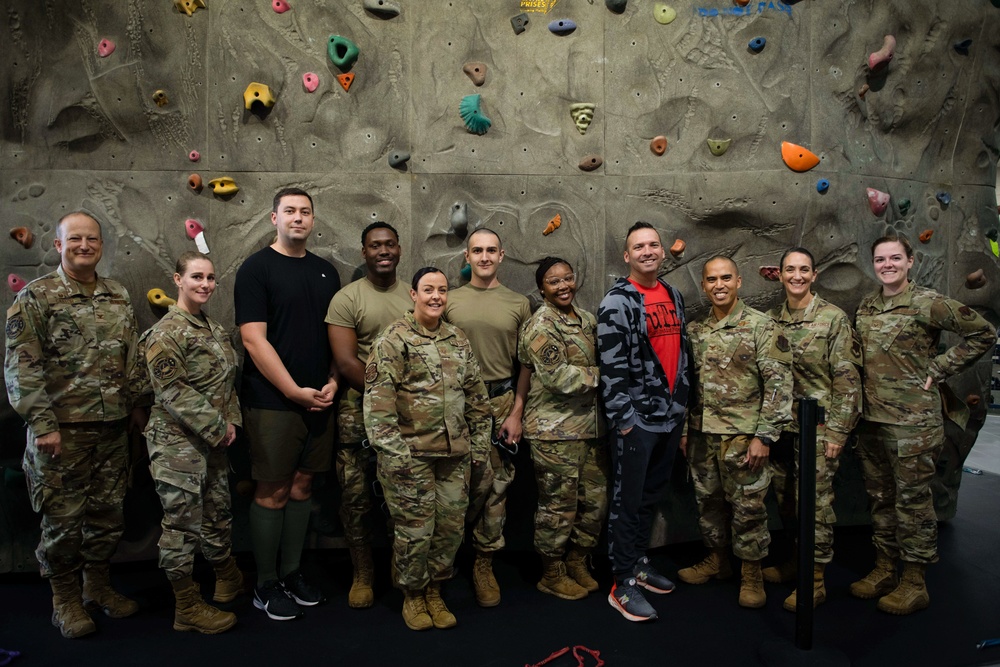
{"x":105,"y":48}
{"x":925,"y":236}
{"x":881,"y":58}
{"x":342,"y":51}
{"x":553,"y":225}
{"x":772,"y":273}
{"x":741,"y":3}
{"x":976,"y":279}
{"x":591,"y":162}
{"x":161,"y":99}
{"x":658,"y":145}
{"x":475,"y":121}
{"x":561,"y":26}
{"x":677,"y":249}
{"x":995,"y":247}
{"x":877,"y":200}
{"x":224,"y":185}
{"x":345,"y":80}
{"x":476,"y":72}
{"x":757,"y":44}
{"x":460,"y":219}
{"x":466,"y":272}
{"x":383,"y":8}
{"x":519,"y":23}
{"x":159,"y":298}
{"x":194,"y":156}
{"x":279,"y":6}
{"x":943,"y":197}
{"x":194,"y":182}
{"x":258,"y":93}
{"x":189,"y":7}
{"x":963,"y":46}
{"x":798,"y":158}
{"x":719,"y":146}
{"x":904,"y":206}
{"x":822,"y":185}
{"x":15,"y":282}
{"x":583,"y":114}
{"x":398,"y":159}
{"x":310,"y":81}
{"x":864,"y":90}
{"x":618,"y":6}
{"x":664,"y":13}
{"x":23,"y":236}
{"x":195,"y":230}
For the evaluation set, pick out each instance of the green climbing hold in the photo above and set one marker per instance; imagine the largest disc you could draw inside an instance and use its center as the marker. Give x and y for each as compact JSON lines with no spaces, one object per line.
{"x":904,"y":206}
{"x":342,"y":51}
{"x":719,"y":146}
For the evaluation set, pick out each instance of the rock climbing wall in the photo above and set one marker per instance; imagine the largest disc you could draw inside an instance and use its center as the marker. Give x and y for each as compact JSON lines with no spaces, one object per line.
{"x":676,"y":110}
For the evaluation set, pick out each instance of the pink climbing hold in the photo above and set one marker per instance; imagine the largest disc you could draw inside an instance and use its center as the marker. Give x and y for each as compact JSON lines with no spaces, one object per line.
{"x":881,"y":58}
{"x":105,"y":48}
{"x":279,"y":6}
{"x":15,"y":282}
{"x":877,"y":200}
{"x":194,"y":156}
{"x":193,"y":228}
{"x":310,"y":81}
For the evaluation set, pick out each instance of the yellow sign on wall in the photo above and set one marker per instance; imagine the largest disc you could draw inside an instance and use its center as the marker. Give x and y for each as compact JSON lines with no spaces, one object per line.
{"x":540,"y":6}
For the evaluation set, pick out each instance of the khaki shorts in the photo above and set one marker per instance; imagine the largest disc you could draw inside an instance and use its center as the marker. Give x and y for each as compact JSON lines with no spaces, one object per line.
{"x":282,"y":441}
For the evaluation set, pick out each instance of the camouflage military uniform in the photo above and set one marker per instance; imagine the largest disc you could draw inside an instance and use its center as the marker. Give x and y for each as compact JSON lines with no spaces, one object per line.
{"x":426,"y":415}
{"x":566,"y":432}
{"x":826,"y":356}
{"x":367,"y":310}
{"x":72,"y":366}
{"x":903,"y":429}
{"x":192,"y":366}
{"x":744,"y":390}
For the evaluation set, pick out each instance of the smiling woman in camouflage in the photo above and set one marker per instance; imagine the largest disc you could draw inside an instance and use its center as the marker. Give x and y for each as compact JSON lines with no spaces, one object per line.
{"x":192,"y":367}
{"x":559,"y":345}
{"x":903,"y":429}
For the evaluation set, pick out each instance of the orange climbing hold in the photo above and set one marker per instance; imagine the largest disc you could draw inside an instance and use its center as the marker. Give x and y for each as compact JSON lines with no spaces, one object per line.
{"x":553,"y":225}
{"x":677,"y":249}
{"x":23,"y":236}
{"x":194,"y":182}
{"x":798,"y":158}
{"x":346,"y":80}
{"x":658,"y":145}
{"x":741,"y":3}
{"x":925,"y":236}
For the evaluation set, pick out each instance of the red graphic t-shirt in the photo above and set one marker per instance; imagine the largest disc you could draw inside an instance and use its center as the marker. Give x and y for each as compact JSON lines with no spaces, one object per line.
{"x":663,"y":327}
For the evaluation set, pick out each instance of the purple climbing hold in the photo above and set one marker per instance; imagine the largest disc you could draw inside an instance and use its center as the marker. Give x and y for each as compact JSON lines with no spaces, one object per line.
{"x":562,"y":26}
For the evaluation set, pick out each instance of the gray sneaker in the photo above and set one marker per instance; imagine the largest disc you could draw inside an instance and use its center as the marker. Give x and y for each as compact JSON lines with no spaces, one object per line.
{"x":628,"y":599}
{"x":647,"y":577}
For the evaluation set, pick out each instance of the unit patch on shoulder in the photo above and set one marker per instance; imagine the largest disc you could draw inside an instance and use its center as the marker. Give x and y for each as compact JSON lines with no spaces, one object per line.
{"x":371,"y":373}
{"x":15,"y":326}
{"x":550,"y":354}
{"x":164,"y":368}
{"x":966,"y":313}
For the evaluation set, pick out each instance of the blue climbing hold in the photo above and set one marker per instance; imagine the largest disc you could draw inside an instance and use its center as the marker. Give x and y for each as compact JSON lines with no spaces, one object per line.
{"x":466,"y":272}
{"x":822,"y":185}
{"x":944,"y":198}
{"x":963,"y":46}
{"x":562,"y":26}
{"x":757,"y":44}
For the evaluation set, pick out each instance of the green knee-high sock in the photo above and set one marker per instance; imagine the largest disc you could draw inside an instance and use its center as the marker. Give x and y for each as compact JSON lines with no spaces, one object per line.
{"x":293,"y":534}
{"x":265,"y":538}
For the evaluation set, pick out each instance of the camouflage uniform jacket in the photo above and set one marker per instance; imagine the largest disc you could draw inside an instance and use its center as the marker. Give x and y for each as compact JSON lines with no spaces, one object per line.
{"x":826,"y":358}
{"x":634,"y":387}
{"x":192,"y":367}
{"x":561,"y":353}
{"x":900,"y":338}
{"x":744,"y":375}
{"x":424,"y":394}
{"x":71,"y":357}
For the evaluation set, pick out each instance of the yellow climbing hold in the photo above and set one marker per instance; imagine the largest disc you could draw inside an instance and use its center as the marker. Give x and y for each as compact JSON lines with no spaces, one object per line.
{"x":189,"y":6}
{"x":664,"y":13}
{"x":224,"y":185}
{"x":719,"y":146}
{"x":258,"y":92}
{"x":583,"y":114}
{"x":995,"y":247}
{"x":158,"y":297}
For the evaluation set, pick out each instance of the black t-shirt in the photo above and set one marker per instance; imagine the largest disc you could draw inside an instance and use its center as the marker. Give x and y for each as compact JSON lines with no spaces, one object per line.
{"x":291,"y":295}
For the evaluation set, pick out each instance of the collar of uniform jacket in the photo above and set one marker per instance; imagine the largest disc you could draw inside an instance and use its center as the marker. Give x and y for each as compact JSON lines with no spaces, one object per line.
{"x":74,"y":286}
{"x":442,"y":332}
{"x":785,"y":316}
{"x":732,"y":319}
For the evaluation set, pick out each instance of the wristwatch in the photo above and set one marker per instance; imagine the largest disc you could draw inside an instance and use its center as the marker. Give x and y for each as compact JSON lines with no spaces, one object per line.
{"x":767,"y":441}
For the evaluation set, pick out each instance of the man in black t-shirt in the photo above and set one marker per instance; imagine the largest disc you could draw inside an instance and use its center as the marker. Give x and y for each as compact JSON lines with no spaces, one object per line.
{"x":289,"y":381}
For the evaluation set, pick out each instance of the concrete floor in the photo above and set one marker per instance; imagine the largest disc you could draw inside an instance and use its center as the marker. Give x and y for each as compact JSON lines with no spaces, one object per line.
{"x":985,"y":454}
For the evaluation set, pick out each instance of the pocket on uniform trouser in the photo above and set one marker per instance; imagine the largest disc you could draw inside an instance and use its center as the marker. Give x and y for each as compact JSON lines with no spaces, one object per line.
{"x":44,"y":479}
{"x":180,"y":493}
{"x":912,"y":442}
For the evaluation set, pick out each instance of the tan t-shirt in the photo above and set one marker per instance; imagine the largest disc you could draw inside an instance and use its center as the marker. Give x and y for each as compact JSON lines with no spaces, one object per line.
{"x":491,"y":319}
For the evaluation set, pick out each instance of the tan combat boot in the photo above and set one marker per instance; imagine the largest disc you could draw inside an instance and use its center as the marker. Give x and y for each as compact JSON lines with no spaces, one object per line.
{"x":556,"y":582}
{"x":192,"y":613}
{"x":781,"y":573}
{"x":98,"y":593}
{"x":879,"y":581}
{"x":911,"y":594}
{"x":68,"y":613}
{"x":819,"y":588}
{"x":483,"y":581}
{"x":752,"y":586}
{"x":441,"y":617}
{"x":228,"y":580}
{"x":576,"y":567}
{"x":716,"y":564}
{"x":361,"y":595}
{"x":415,"y":611}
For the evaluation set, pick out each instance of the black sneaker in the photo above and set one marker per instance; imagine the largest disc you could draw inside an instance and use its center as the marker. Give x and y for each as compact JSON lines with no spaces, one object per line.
{"x":275,"y":602}
{"x":627,"y":598}
{"x":647,"y":577}
{"x":302,"y":591}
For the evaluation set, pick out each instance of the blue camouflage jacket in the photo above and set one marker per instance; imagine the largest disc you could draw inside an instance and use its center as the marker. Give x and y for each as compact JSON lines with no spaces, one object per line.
{"x":633,"y":385}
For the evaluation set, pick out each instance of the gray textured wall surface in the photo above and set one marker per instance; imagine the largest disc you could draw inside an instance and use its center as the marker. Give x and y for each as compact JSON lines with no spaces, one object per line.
{"x":83,"y":131}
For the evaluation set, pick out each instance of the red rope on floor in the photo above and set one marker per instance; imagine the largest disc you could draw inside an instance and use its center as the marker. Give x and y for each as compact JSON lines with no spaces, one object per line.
{"x":577,"y":650}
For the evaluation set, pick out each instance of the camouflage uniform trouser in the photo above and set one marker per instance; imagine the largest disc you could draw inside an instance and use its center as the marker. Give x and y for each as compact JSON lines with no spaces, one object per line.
{"x":427,"y":498}
{"x":193,"y":485}
{"x":721,"y":477}
{"x":79,"y":495}
{"x":898,"y":463}
{"x":488,"y":497}
{"x":786,"y":490}
{"x":572,"y":477}
{"x":355,"y":468}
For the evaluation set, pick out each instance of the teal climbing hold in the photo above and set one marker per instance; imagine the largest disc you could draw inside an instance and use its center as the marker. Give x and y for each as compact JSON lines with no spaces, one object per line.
{"x":475,"y":121}
{"x":342,"y":51}
{"x":904,"y":206}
